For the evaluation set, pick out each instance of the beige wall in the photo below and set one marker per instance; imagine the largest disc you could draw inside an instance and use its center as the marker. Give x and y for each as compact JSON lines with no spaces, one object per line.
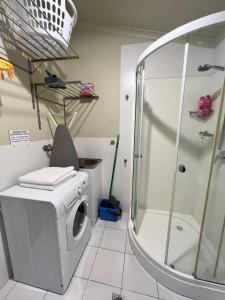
{"x":15,"y":102}
{"x":100,"y":55}
{"x":99,"y":63}
{"x":16,"y":109}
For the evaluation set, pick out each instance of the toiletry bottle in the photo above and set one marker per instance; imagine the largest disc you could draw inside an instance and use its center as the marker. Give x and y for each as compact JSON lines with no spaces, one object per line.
{"x":208,"y":105}
{"x":201,"y":104}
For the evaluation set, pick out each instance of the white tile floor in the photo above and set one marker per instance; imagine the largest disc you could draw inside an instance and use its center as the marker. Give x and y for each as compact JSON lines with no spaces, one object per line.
{"x":107,"y":265}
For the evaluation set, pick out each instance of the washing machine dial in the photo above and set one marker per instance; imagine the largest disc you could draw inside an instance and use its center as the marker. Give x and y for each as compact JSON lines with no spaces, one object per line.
{"x":80,"y":190}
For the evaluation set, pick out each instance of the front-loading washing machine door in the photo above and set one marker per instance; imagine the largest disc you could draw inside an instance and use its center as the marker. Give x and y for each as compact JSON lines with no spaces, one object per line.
{"x":77,"y":222}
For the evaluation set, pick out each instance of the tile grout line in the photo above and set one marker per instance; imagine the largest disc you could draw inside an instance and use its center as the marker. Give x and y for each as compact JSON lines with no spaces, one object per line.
{"x":124,"y":257}
{"x":135,"y":292}
{"x":106,"y":284}
{"x":45,"y":295}
{"x":84,"y":290}
{"x":5,"y":298}
{"x":98,"y":247}
{"x":124,"y":253}
{"x":119,"y":229}
{"x":102,"y":236}
{"x":157,"y":287}
{"x":157,"y":297}
{"x":143,"y":294}
{"x":95,"y":258}
{"x":127,"y":241}
{"x":116,"y":228}
{"x":112,"y":249}
{"x":88,"y":279}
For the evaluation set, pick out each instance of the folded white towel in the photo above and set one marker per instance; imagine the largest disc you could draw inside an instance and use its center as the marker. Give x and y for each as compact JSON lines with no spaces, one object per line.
{"x":39,"y":186}
{"x":47,"y":176}
{"x":47,"y":187}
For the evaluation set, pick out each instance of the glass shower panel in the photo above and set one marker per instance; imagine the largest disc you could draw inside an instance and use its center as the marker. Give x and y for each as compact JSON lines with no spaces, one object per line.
{"x":135,"y":213}
{"x":200,"y":114}
{"x":158,"y":123}
{"x":211,"y":256}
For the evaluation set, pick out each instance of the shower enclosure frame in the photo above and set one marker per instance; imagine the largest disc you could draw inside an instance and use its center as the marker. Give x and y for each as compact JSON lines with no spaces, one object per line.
{"x":181,"y":283}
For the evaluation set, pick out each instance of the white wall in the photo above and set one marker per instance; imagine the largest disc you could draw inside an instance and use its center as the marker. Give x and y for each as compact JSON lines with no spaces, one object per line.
{"x":98,"y":148}
{"x":123,"y":188}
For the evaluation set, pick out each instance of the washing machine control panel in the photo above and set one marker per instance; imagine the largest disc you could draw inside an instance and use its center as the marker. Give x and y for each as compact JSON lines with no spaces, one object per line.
{"x":82,"y":187}
{"x":74,"y":193}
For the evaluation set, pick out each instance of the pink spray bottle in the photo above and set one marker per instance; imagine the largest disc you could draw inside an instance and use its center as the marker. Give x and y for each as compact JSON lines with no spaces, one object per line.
{"x":207,"y":106}
{"x":201,"y":104}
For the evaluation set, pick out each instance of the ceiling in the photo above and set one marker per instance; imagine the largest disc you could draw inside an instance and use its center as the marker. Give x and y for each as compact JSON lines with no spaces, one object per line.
{"x":155,"y":15}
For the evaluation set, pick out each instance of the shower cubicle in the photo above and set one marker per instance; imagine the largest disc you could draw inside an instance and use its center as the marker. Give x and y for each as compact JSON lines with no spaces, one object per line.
{"x":177,"y":226}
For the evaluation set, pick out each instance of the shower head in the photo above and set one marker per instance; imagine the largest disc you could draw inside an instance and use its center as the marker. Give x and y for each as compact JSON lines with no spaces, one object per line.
{"x":206,"y":67}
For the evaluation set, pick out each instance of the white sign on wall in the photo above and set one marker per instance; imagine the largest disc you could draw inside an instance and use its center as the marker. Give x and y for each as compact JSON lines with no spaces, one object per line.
{"x":18,"y":136}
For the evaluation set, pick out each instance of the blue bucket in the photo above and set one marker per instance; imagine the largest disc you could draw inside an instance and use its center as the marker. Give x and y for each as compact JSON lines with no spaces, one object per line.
{"x":108,"y":214}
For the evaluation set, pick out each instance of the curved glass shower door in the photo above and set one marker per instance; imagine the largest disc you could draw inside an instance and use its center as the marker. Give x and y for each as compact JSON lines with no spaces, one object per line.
{"x":198,"y":131}
{"x":136,"y":194}
{"x":178,"y":204}
{"x":210,"y":263}
{"x":157,"y":107}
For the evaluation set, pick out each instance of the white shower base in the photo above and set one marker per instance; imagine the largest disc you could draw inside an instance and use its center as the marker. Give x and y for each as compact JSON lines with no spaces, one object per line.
{"x":184,"y":236}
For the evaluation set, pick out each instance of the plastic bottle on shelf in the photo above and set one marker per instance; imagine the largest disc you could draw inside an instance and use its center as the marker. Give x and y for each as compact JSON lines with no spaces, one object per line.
{"x":201,"y":105}
{"x":87,"y":90}
{"x":208,"y":105}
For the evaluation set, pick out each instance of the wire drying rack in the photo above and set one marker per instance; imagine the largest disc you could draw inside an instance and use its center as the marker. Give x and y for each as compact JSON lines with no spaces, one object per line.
{"x":21,"y":33}
{"x":38,"y":49}
{"x":65,"y":97}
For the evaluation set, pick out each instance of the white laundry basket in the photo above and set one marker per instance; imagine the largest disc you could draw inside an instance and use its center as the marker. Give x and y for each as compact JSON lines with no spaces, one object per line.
{"x":52,"y":16}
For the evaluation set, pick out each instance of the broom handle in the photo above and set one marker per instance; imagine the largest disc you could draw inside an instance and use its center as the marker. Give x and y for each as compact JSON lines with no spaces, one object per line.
{"x":114,"y":165}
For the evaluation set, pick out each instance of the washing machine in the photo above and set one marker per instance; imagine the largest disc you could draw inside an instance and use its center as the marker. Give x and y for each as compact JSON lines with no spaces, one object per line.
{"x":47,"y":232}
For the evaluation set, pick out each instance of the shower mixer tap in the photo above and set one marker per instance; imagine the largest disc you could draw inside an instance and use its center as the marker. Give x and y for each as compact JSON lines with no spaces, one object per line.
{"x":205,"y":134}
{"x":221,"y":156}
{"x":206,"y":67}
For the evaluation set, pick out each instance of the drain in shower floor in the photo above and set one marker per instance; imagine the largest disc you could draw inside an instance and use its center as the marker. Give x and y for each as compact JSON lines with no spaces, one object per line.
{"x":117,"y":297}
{"x":179,"y":228}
